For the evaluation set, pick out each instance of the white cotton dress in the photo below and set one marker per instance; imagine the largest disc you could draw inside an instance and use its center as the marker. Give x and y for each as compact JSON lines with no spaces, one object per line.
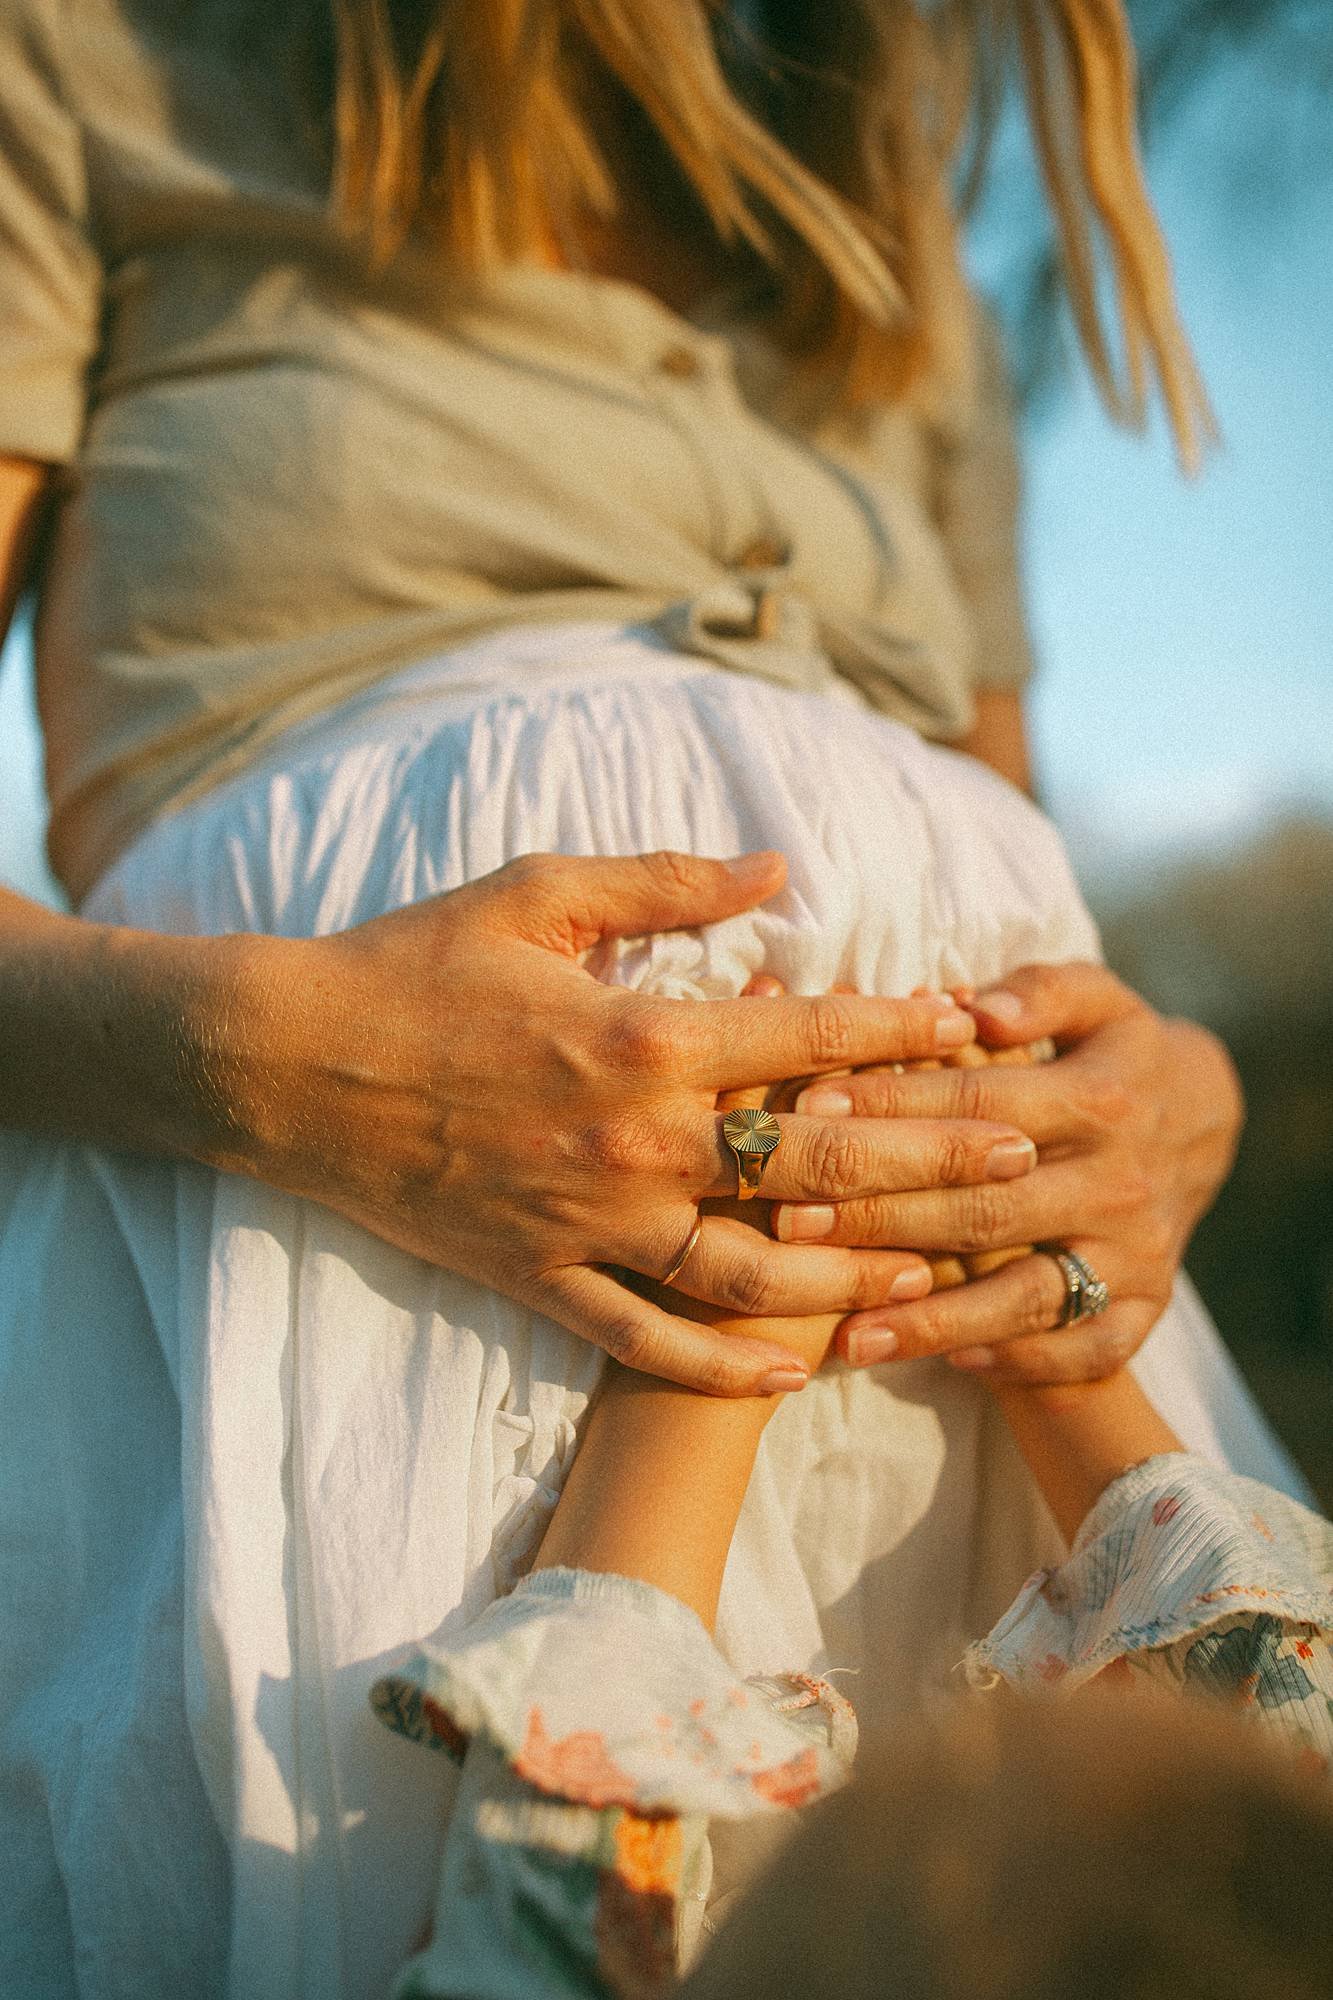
{"x":252,"y":1455}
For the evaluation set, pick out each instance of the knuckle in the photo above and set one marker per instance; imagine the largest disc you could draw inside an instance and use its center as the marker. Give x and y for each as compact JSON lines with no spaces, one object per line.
{"x":643,"y":1041}
{"x":1042,"y":985}
{"x":933,"y":1330}
{"x":672,"y":869}
{"x":710,"y":1373}
{"x":837,"y":1162}
{"x":1105,"y":1101}
{"x":750,"y":1288}
{"x":529,"y":871}
{"x":875,"y":1093}
{"x":1130,"y":1193}
{"x":864,"y":1285}
{"x":874,"y":1224}
{"x":1107,"y":1351}
{"x":986,"y":1217}
{"x":870,"y":1223}
{"x":828,"y":1032}
{"x":1037,"y":1309}
{"x":893,"y":1098}
{"x":614,"y":1145}
{"x":956,"y":1159}
{"x":1157,"y":1240}
{"x":973,"y":1095}
{"x":625,"y":1340}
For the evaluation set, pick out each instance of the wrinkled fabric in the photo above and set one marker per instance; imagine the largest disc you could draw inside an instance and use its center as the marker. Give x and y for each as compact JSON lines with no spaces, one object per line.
{"x":1196,"y":1579}
{"x":253,"y":1454}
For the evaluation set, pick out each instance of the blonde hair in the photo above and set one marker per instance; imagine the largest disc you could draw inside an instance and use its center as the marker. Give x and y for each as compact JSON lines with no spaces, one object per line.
{"x":466,"y":118}
{"x":1131,"y":1848}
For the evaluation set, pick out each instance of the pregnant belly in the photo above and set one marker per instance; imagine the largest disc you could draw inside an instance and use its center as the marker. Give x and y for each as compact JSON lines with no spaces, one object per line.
{"x":908,"y":864}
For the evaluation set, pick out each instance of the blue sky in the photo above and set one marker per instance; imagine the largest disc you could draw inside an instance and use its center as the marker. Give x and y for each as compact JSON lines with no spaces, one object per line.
{"x":1185,"y":631}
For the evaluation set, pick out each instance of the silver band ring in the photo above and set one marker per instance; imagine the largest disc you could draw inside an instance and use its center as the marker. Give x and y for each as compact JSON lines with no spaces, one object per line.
{"x":683,"y":1258}
{"x":1086,"y":1294}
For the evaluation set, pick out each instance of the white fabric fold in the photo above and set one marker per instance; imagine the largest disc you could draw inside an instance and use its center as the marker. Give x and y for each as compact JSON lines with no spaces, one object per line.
{"x":1173,"y":1549}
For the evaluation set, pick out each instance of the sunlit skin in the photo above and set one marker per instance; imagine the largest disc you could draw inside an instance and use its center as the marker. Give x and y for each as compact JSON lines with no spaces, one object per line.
{"x":661,"y":1472}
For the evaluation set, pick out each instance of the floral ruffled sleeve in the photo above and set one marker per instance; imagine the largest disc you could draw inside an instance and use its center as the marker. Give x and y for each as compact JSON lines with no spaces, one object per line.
{"x":599,"y":1731}
{"x":1203,"y":1581}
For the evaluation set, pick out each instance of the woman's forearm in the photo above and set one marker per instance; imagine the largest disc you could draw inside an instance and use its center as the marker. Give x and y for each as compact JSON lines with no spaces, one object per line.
{"x":123,"y":1038}
{"x":1077,"y":1437}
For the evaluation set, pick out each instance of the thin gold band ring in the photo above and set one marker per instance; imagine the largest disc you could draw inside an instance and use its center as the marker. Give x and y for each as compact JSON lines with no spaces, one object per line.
{"x":683,"y":1258}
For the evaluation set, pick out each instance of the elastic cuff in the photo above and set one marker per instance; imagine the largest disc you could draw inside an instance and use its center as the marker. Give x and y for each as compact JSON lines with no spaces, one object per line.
{"x":1173,"y":1547}
{"x":604,"y":1691}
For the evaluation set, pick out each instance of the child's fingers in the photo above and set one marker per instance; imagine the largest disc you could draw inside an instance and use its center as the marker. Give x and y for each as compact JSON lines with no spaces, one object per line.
{"x":763,"y":987}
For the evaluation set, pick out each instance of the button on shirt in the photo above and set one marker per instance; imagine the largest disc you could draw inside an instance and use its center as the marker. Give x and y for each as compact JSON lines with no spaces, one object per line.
{"x":287,"y":475}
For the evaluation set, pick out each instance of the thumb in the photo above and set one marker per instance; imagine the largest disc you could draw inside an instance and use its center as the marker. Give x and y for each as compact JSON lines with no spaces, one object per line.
{"x":568,"y":902}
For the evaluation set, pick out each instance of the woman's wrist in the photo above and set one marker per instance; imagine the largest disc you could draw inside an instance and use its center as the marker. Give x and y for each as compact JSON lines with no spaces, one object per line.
{"x":123,"y":1038}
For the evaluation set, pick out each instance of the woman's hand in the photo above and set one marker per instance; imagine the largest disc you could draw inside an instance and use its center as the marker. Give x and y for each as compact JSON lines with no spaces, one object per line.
{"x":452,"y":1078}
{"x":1136,"y":1121}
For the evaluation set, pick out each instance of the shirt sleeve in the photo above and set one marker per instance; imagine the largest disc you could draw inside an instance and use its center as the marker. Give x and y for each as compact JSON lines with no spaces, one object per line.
{"x":1195,"y":1578}
{"x":600,"y":1732}
{"x":50,"y":275}
{"x":977,"y":498}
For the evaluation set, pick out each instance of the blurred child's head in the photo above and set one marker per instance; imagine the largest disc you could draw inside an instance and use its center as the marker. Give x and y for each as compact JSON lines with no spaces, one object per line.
{"x":1104,"y":1849}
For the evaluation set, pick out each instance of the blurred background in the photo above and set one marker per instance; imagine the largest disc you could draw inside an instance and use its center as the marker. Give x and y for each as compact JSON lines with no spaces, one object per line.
{"x":1183,"y":716}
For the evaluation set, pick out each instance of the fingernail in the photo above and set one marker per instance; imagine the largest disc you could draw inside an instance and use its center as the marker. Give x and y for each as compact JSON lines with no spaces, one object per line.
{"x":973,"y":1359}
{"x":764,"y":987}
{"x":999,"y":1004}
{"x":865,"y":1349}
{"x":913,"y":1284}
{"x":781,"y":1381}
{"x":820,"y":1103}
{"x":797,"y":1224}
{"x":954,"y":1028}
{"x":1009,"y":1158}
{"x":752,"y":867}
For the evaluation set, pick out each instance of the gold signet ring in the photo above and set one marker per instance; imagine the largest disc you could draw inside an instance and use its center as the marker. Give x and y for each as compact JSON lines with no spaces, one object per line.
{"x":753,"y":1137}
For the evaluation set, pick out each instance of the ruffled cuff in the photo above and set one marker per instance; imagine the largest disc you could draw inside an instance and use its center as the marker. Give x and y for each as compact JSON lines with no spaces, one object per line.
{"x":604,"y":1691}
{"x":1173,"y":1548}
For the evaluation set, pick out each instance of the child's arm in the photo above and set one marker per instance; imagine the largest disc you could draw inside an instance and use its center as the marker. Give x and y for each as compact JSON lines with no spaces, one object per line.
{"x":1078,"y":1437}
{"x":660,"y":1473}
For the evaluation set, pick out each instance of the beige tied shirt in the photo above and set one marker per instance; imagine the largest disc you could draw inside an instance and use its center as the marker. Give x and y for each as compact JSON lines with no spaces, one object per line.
{"x":285,"y":475}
